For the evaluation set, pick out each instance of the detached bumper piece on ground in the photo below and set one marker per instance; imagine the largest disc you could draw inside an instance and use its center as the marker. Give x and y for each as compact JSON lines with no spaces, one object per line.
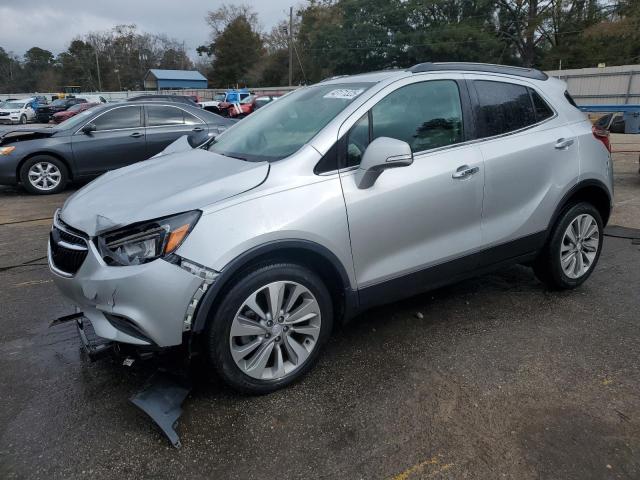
{"x":162,"y":395}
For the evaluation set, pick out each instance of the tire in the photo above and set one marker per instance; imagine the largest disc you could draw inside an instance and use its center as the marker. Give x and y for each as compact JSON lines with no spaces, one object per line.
{"x":580,"y":256}
{"x":58,"y":175}
{"x":23,"y":119}
{"x":283,"y":336}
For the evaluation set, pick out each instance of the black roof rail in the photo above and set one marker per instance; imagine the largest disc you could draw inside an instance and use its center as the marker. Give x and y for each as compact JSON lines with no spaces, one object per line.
{"x":479,"y":67}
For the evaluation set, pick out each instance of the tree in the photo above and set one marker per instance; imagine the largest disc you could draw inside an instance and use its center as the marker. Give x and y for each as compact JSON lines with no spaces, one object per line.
{"x":236,"y":46}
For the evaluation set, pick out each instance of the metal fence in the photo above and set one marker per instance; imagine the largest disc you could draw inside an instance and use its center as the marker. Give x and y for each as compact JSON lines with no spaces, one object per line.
{"x":618,"y":85}
{"x":202,"y":93}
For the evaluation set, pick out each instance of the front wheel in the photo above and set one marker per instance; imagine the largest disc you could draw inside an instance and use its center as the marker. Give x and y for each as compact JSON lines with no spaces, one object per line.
{"x":43,"y":175}
{"x":573,"y":249}
{"x":270,"y":328}
{"x":23,"y":119}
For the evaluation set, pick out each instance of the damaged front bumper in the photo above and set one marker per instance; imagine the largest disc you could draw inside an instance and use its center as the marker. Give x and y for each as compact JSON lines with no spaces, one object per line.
{"x":145,"y":305}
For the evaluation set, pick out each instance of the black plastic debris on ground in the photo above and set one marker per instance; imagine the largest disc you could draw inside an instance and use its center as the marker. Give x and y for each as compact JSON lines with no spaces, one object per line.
{"x":161,"y":399}
{"x":622,"y":232}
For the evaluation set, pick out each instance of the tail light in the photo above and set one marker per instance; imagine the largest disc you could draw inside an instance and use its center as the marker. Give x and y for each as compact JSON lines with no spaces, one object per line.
{"x":602,"y":135}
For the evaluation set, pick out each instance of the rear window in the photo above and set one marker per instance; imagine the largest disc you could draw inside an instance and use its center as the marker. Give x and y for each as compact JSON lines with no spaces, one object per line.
{"x":503,"y":107}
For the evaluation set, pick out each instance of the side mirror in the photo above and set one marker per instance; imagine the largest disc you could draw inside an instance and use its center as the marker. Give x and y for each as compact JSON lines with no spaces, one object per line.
{"x":88,"y":128}
{"x":381,"y":154}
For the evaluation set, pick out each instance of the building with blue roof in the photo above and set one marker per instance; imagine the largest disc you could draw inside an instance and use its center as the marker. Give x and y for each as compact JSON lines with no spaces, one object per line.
{"x":157,"y":79}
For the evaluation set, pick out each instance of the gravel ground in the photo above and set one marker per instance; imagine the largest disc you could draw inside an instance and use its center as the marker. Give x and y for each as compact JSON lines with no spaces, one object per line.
{"x":494,"y":377}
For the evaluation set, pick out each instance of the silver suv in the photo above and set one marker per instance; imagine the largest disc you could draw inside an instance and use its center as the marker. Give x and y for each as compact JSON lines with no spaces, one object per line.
{"x":350,"y":193}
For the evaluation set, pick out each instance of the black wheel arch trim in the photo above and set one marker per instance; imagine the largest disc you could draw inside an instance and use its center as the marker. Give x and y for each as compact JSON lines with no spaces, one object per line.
{"x":573,"y":191}
{"x":244,"y":259}
{"x":56,"y":155}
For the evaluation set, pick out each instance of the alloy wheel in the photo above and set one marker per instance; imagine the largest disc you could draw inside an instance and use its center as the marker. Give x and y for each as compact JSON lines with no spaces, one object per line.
{"x":44,"y":176}
{"x":275,"y":330}
{"x":579,"y":246}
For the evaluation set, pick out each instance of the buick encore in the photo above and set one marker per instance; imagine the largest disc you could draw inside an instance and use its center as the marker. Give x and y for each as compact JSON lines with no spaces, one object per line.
{"x":340,"y":196}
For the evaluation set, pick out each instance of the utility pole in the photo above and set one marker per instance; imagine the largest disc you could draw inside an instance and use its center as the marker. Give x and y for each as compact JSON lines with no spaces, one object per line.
{"x":290,"y":46}
{"x":98,"y":67}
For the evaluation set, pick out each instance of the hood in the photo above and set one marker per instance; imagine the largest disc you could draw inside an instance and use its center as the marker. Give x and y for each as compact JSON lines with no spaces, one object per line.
{"x":166,"y":185}
{"x":25,"y":134}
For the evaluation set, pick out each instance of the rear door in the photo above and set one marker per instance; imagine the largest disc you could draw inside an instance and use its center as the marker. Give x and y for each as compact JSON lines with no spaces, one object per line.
{"x":167,"y":123}
{"x":119,"y":140}
{"x":530,"y":157}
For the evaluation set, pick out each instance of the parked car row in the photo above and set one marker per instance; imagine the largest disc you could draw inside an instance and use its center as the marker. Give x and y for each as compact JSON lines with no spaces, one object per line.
{"x":237,"y":103}
{"x":247,"y":106}
{"x":98,"y":139}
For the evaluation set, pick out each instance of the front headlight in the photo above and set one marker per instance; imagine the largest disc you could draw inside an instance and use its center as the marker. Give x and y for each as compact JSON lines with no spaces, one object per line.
{"x":146,"y":241}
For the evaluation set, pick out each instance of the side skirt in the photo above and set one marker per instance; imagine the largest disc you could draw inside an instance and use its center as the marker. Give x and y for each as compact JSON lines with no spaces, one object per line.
{"x":517,"y":251}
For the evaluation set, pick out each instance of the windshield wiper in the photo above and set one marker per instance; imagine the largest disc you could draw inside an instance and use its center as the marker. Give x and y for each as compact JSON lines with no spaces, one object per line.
{"x":232,"y":156}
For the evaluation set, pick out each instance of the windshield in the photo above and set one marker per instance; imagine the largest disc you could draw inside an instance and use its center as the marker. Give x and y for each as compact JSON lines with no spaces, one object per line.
{"x":13,"y":105}
{"x":59,"y":103}
{"x":282,"y":129}
{"x":77,"y":120}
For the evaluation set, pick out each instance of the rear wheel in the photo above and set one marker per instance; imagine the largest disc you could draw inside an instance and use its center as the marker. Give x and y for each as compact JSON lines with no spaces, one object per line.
{"x":44,"y":175}
{"x":270,"y":328}
{"x":573,"y":248}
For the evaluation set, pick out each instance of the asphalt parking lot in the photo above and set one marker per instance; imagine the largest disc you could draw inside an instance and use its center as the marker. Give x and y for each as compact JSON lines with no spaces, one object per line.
{"x":494,"y":377}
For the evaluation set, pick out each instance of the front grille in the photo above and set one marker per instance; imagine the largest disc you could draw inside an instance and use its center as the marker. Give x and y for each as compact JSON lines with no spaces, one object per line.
{"x":68,"y":250}
{"x":3,"y":114}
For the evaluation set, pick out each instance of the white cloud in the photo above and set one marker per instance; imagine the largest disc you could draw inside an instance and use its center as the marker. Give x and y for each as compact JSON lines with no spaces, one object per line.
{"x":52,"y":25}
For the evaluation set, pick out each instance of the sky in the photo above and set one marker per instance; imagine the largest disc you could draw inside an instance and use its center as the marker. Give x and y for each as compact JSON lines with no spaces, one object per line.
{"x":52,"y":24}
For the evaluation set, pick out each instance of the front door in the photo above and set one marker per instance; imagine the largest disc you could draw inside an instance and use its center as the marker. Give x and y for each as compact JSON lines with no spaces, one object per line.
{"x":118,"y":140}
{"x":418,"y":225}
{"x":166,"y":123}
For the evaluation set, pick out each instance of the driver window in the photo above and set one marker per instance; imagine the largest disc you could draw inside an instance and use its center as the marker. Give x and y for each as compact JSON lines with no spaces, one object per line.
{"x":426,"y":115}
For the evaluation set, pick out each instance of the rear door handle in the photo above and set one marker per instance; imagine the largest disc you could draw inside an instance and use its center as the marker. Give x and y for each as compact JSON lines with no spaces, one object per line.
{"x":136,"y":135}
{"x":564,"y":143}
{"x":198,"y":129}
{"x":465,"y":171}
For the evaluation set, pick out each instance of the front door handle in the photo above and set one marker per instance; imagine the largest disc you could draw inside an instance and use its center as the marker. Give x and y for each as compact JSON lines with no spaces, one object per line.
{"x":198,"y":129}
{"x":136,"y":135}
{"x":564,"y":143}
{"x":465,"y":171}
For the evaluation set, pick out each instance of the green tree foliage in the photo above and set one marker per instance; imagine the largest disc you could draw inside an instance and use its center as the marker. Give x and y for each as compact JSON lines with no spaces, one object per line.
{"x":335,"y":37}
{"x":236,"y":46}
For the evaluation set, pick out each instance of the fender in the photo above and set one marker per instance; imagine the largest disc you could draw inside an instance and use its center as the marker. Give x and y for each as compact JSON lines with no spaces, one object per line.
{"x":572,"y":191}
{"x":235,"y":265}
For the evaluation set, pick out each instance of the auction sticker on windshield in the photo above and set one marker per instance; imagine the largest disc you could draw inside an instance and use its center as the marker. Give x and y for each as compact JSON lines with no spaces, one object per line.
{"x":344,"y":93}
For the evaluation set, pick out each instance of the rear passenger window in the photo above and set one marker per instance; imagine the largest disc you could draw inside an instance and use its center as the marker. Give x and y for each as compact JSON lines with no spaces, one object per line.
{"x":191,"y":119}
{"x":159,"y":115}
{"x":543,"y":111}
{"x":503,"y":107}
{"x":426,"y":115}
